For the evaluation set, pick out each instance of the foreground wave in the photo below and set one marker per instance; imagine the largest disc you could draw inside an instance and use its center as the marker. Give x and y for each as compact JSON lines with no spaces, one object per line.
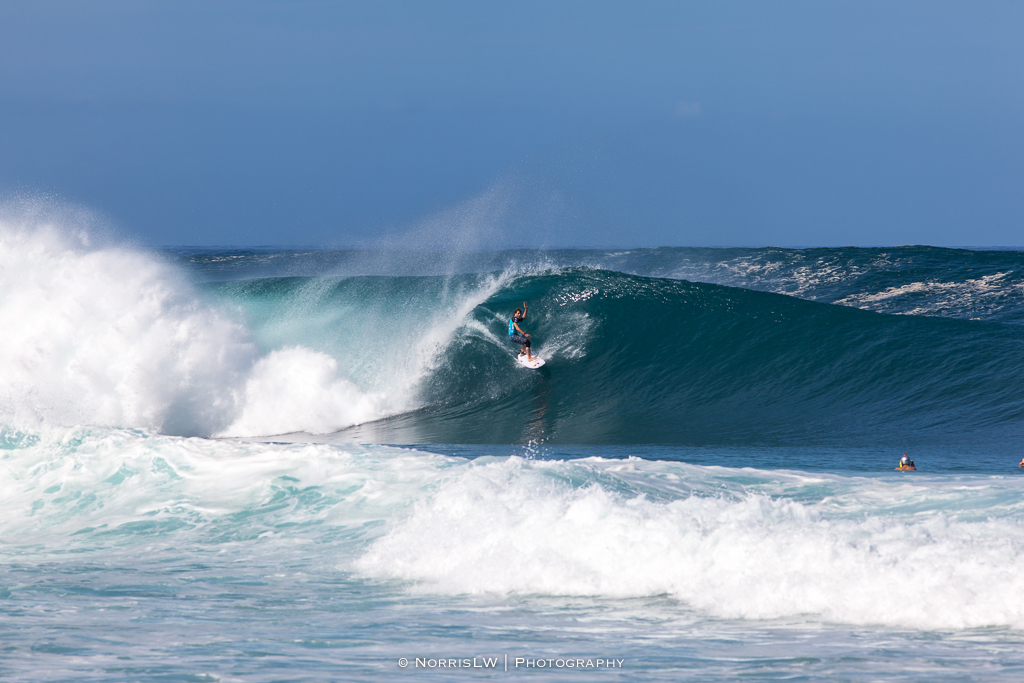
{"x":729,"y":543}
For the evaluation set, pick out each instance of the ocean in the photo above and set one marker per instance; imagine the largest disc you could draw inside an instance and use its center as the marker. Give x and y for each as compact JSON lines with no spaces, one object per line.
{"x":270,"y":464}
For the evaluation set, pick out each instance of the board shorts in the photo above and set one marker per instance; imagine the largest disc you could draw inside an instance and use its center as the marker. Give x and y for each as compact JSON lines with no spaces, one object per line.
{"x":519,"y":339}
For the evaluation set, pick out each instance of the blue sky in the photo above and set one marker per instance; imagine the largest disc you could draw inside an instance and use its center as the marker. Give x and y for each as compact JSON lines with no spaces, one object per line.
{"x":546,"y":123}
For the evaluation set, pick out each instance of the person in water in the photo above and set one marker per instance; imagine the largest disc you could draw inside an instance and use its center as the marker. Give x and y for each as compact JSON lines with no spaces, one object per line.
{"x":516,"y":334}
{"x":906,"y":463}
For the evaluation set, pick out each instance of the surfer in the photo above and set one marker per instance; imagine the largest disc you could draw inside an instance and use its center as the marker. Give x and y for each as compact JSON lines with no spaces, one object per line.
{"x":516,"y":334}
{"x":906,"y":463}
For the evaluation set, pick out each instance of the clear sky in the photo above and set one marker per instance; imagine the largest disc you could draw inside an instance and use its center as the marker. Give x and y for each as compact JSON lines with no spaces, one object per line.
{"x":256,"y":122}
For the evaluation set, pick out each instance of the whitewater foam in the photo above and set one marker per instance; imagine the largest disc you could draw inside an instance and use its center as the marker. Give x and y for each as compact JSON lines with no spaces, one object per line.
{"x":110,"y":336}
{"x":584,"y":529}
{"x":971,"y":298}
{"x":113,"y":487}
{"x":296,"y":386}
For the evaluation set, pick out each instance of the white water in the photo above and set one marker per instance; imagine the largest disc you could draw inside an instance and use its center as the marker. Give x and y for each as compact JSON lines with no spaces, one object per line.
{"x":88,"y":486}
{"x":932,"y":561}
{"x":927,"y":553}
{"x":110,"y":336}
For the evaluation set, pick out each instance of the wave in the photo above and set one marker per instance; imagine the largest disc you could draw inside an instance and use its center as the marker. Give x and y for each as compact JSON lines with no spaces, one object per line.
{"x":644,"y":360}
{"x":377,"y":340}
{"x":110,"y":336}
{"x":730,"y":543}
{"x":923,"y":552}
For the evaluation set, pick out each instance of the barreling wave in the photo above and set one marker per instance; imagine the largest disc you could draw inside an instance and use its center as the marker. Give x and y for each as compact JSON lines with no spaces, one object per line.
{"x":635,"y":359}
{"x":109,"y":336}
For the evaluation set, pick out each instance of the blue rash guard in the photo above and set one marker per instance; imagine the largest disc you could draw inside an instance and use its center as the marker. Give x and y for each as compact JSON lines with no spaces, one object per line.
{"x":514,"y":336}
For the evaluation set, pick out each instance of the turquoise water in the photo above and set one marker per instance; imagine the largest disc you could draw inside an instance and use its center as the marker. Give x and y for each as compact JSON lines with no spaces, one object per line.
{"x":130,"y":556}
{"x":283,"y":465}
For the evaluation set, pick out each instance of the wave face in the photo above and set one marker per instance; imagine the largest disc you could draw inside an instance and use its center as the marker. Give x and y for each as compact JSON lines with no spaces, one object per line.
{"x":634,"y":359}
{"x":108,"y":336}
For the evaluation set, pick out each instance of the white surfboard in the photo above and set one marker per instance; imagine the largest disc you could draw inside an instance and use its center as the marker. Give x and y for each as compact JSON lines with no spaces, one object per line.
{"x":535,"y":363}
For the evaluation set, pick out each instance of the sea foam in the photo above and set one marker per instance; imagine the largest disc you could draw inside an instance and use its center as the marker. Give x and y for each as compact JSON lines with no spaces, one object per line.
{"x":110,"y":336}
{"x":520,"y":527}
{"x":106,"y":335}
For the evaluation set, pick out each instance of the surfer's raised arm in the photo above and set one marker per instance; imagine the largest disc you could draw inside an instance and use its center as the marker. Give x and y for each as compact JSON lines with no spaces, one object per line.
{"x":524,"y":309}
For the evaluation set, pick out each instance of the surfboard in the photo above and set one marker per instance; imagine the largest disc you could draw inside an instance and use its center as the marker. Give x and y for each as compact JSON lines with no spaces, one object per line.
{"x":535,"y":363}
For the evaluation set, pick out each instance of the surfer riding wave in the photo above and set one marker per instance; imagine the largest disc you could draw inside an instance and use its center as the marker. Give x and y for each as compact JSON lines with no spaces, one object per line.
{"x":516,"y":334}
